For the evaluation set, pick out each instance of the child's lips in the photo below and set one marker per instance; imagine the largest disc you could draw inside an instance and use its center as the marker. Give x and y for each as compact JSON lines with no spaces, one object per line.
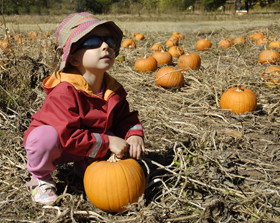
{"x":106,"y":57}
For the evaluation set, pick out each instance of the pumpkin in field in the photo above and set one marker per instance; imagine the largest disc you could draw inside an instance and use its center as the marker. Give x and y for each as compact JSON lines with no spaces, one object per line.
{"x":139,"y":37}
{"x":129,"y":44}
{"x":255,"y":36}
{"x":189,"y":61}
{"x":269,"y":56}
{"x":262,"y":41}
{"x":271,"y":75}
{"x":169,"y":77}
{"x":134,"y":34}
{"x":163,"y":57}
{"x":171,"y":42}
{"x":239,"y":40}
{"x":156,"y":47}
{"x":225,"y":44}
{"x":181,"y":36}
{"x":146,"y":64}
{"x":239,"y":100}
{"x":4,"y":47}
{"x":274,"y":45}
{"x":113,"y":184}
{"x":203,"y":44}
{"x":176,"y":51}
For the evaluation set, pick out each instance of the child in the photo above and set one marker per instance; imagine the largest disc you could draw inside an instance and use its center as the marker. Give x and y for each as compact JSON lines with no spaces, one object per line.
{"x":85,"y":114}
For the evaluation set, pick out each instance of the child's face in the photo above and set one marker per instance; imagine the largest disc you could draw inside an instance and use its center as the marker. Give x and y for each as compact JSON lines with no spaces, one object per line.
{"x":96,"y":59}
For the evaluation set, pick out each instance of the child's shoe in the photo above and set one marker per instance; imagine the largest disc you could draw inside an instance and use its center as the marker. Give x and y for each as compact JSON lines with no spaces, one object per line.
{"x":43,"y":191}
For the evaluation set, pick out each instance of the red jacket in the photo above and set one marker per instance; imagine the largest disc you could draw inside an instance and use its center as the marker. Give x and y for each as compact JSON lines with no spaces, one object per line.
{"x":81,"y":118}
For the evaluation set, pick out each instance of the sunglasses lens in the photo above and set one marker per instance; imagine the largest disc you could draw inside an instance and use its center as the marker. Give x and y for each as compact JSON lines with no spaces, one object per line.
{"x":110,"y":41}
{"x":93,"y":42}
{"x":96,"y":41}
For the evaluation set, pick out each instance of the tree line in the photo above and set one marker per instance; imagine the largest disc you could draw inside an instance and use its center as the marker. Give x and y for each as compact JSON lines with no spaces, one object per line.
{"x":118,"y":6}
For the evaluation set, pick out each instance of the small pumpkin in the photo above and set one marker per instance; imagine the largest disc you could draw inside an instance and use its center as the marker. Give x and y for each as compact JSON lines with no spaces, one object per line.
{"x":189,"y":61}
{"x":4,"y":47}
{"x":262,"y":41}
{"x":274,"y":45}
{"x":181,"y":36}
{"x":269,"y":56}
{"x":176,"y":51}
{"x":271,"y":75}
{"x":134,"y":34}
{"x":169,"y":77}
{"x":128,"y":44}
{"x":139,"y":37}
{"x":163,"y":57}
{"x":156,"y":47}
{"x":255,"y":36}
{"x":112,"y":184}
{"x":225,"y":44}
{"x":239,"y":100}
{"x":146,"y":64}
{"x":203,"y":45}
{"x":172,"y":42}
{"x":239,"y":40}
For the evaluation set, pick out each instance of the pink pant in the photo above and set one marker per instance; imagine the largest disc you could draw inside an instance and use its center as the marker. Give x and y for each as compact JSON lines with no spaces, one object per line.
{"x":44,"y":153}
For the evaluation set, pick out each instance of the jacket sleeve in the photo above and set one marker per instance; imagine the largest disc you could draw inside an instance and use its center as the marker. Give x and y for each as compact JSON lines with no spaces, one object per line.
{"x":126,"y":123}
{"x":60,"y":110}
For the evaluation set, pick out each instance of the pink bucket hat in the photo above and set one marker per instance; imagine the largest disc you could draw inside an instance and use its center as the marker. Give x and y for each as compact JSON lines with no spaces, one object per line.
{"x":76,"y":26}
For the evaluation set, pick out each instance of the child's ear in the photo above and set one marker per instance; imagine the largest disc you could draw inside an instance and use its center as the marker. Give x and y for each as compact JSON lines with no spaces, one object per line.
{"x":73,"y":61}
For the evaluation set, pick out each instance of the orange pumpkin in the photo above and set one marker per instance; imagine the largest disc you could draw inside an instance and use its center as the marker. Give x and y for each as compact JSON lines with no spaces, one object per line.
{"x":162,"y":57}
{"x":269,"y":56}
{"x":225,"y":44}
{"x":113,"y":184}
{"x":139,"y":37}
{"x":4,"y":46}
{"x":274,"y":45}
{"x":271,"y":75}
{"x":239,"y":100}
{"x":128,"y":44}
{"x":134,"y":34}
{"x":203,"y":45}
{"x":156,"y":47}
{"x":189,"y":61}
{"x":176,"y":51}
{"x":239,"y":40}
{"x":146,"y":64}
{"x":255,"y":36}
{"x":172,"y":42}
{"x":261,"y":41}
{"x":169,"y":77}
{"x":181,"y":36}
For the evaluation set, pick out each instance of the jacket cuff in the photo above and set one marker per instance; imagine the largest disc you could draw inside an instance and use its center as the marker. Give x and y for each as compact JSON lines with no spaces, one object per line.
{"x":100,"y":147}
{"x":135,"y":130}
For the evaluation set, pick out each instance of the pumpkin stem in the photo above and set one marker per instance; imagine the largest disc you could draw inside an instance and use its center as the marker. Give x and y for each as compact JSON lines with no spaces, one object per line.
{"x":113,"y":158}
{"x":239,"y":89}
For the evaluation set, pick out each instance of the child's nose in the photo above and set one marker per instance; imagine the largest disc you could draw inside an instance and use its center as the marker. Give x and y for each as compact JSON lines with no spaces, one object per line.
{"x":104,"y":45}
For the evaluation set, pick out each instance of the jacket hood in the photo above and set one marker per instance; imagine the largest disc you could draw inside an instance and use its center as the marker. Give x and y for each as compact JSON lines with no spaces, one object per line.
{"x":77,"y":80}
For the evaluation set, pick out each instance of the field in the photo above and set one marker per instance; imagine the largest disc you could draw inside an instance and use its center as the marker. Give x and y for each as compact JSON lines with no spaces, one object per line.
{"x":203,"y":164}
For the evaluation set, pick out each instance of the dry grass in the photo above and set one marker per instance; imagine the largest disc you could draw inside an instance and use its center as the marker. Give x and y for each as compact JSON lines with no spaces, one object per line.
{"x":205,"y":164}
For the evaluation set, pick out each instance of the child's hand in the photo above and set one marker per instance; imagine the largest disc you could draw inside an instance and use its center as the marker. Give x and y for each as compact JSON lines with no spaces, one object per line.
{"x":136,"y":146}
{"x":118,"y":146}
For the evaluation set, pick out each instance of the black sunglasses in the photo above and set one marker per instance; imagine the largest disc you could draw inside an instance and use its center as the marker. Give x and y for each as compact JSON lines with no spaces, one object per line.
{"x":96,"y":41}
